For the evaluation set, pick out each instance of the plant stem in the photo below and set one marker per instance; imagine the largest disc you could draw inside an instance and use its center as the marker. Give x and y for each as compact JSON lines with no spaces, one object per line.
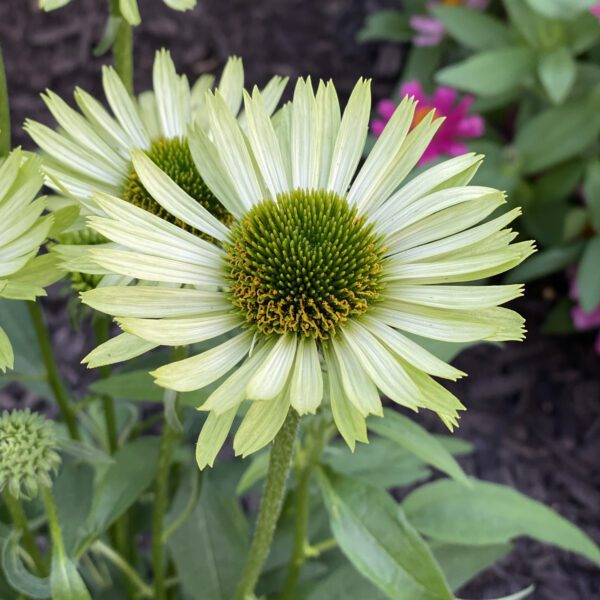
{"x":145,"y":591}
{"x":4,"y":111}
{"x":53,"y":522}
{"x":270,"y":506}
{"x":316,"y":439}
{"x":123,"y":48}
{"x":161,"y":500}
{"x":52,"y":372}
{"x":19,"y":518}
{"x":101,"y":330}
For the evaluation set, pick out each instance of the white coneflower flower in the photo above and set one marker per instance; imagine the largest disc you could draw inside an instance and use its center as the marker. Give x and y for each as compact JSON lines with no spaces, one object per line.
{"x":23,"y":229}
{"x":322,"y":267}
{"x":128,"y":8}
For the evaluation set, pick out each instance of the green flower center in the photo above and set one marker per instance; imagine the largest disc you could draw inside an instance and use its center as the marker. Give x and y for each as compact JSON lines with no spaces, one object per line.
{"x":27,"y":453}
{"x":304,"y":264}
{"x":173,"y":156}
{"x":82,"y":282}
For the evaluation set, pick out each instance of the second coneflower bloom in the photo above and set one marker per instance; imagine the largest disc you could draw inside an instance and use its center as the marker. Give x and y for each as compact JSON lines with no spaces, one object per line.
{"x":314,"y":289}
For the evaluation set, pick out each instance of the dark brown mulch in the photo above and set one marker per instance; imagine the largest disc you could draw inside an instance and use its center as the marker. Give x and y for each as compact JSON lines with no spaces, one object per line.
{"x":534,"y":408}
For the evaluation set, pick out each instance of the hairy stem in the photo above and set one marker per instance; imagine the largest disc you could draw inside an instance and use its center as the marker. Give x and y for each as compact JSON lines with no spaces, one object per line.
{"x":4,"y":112}
{"x":19,"y":518}
{"x":270,"y":506}
{"x":53,"y":375}
{"x":316,"y":439}
{"x":53,"y":522}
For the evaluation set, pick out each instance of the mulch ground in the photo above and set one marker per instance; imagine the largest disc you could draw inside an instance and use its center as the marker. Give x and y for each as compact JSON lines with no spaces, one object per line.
{"x":533,"y":408}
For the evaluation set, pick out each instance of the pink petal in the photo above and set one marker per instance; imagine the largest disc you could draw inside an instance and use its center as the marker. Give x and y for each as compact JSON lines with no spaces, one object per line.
{"x":595,"y":10}
{"x":377,"y":127}
{"x":584,"y":320}
{"x":457,"y":148}
{"x":412,"y":88}
{"x":427,"y":25}
{"x":386,"y":108}
{"x":477,"y":4}
{"x":444,"y":98}
{"x":471,"y":126}
{"x":427,"y":40}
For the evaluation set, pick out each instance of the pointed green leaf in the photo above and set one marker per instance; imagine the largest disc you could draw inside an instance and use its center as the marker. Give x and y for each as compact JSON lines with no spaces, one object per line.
{"x":17,"y":575}
{"x":488,"y":513}
{"x":372,"y":531}
{"x":588,"y":275}
{"x":7,"y":356}
{"x":65,"y":581}
{"x":557,"y":71}
{"x":411,"y":436}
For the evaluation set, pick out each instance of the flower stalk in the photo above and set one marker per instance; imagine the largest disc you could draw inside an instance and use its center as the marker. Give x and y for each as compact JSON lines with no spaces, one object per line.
{"x":270,"y":506}
{"x":52,"y":372}
{"x":4,"y":111}
{"x":123,"y":48}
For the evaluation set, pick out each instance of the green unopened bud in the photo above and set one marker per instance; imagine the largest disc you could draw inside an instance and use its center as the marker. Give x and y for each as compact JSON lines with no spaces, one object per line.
{"x":28,"y":456}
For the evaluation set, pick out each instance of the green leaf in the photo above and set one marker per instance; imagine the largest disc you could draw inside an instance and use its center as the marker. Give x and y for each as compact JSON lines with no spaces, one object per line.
{"x":414,"y":438}
{"x":18,"y":576}
{"x":491,"y":72}
{"x":209,"y":548}
{"x":537,"y":30}
{"x":559,"y":321}
{"x":588,"y":275}
{"x":7,"y":355}
{"x":65,"y":581}
{"x":381,"y":463}
{"x":488,"y":513}
{"x":73,"y":491}
{"x":386,"y":26}
{"x":462,"y":563}
{"x":518,"y":595}
{"x":372,"y":531}
{"x":343,"y":583}
{"x":422,"y":63}
{"x":122,"y":483}
{"x":257,"y":470}
{"x":28,"y":364}
{"x":473,"y":29}
{"x":560,"y":9}
{"x":558,"y":134}
{"x":139,"y":386}
{"x":544,"y":263}
{"x":591,"y":191}
{"x":557,"y":71}
{"x":559,"y":183}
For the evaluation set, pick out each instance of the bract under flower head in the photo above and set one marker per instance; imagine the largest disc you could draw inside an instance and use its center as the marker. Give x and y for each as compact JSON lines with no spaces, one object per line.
{"x":28,"y":456}
{"x":323,"y":267}
{"x":457,"y":127}
{"x":23,"y":229}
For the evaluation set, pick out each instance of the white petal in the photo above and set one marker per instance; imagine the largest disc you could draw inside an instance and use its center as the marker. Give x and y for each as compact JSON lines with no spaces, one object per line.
{"x":233,"y":150}
{"x":261,"y":424}
{"x":410,"y":351}
{"x":493,"y":324}
{"x":233,"y":390}
{"x":172,"y":96}
{"x":154,"y":302}
{"x":149,"y":114}
{"x":328,"y":108}
{"x":118,"y":349}
{"x":305,"y":150}
{"x":351,"y":137}
{"x":124,"y":108}
{"x":382,"y":367}
{"x":9,"y":171}
{"x":265,"y":144}
{"x":231,"y":83}
{"x":212,"y":437}
{"x":172,"y":198}
{"x":359,"y":388}
{"x":271,"y":377}
{"x":282,"y":123}
{"x":350,"y":423}
{"x":203,"y":369}
{"x":306,"y":384}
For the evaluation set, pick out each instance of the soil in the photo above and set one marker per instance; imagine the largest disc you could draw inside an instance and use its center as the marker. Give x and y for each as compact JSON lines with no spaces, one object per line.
{"x":533,"y":408}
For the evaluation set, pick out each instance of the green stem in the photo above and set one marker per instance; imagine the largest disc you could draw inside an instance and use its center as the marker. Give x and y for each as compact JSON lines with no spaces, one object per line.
{"x":101,"y":330}
{"x":316,"y":439}
{"x":123,"y":48}
{"x":53,"y":522}
{"x":4,"y":111}
{"x":52,"y":373}
{"x":21,"y":522}
{"x":168,"y":440}
{"x":270,"y":506}
{"x":145,"y":591}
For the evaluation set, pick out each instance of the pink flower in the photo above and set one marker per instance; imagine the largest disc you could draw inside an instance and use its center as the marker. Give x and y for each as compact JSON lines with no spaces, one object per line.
{"x":429,"y":30}
{"x":584,"y":321}
{"x":595,"y":10}
{"x":457,"y":127}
